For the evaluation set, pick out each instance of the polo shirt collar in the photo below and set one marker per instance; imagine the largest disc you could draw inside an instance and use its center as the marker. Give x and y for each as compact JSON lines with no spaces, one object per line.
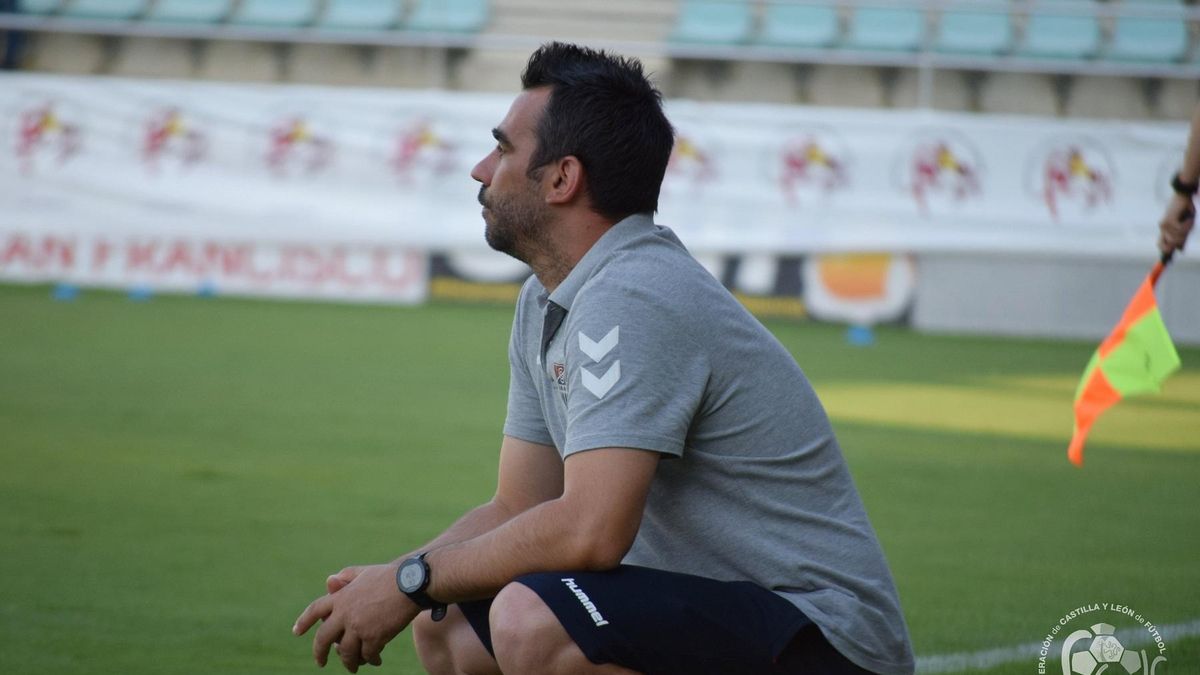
{"x":623,"y":232}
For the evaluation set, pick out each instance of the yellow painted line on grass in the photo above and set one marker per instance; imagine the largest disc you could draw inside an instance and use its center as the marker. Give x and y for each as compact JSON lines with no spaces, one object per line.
{"x":1037,"y":408}
{"x":1182,"y":388}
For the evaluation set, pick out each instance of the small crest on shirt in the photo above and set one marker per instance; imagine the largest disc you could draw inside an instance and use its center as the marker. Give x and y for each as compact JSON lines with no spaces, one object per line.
{"x":560,"y":378}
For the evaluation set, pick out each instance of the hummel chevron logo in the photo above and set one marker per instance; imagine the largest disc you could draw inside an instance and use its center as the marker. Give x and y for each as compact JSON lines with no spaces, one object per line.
{"x":600,"y":385}
{"x":598,"y":350}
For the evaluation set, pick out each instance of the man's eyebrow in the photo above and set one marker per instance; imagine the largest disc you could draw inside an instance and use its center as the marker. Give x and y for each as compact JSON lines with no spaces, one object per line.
{"x":501,"y":137}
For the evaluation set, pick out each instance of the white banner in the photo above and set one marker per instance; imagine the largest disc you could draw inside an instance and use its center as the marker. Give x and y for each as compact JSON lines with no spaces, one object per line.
{"x":117,"y":160}
{"x":198,"y":264}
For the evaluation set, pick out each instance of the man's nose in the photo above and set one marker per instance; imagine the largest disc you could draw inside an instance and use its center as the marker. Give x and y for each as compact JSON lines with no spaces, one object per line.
{"x":483,"y":170}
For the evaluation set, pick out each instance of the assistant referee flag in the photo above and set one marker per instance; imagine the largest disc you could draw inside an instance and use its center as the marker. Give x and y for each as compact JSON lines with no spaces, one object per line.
{"x":1134,"y":359}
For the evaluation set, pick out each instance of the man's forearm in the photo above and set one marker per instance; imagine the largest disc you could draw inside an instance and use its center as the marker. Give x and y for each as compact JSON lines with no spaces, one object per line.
{"x":589,"y":527}
{"x":473,"y":523}
{"x":544,"y":538}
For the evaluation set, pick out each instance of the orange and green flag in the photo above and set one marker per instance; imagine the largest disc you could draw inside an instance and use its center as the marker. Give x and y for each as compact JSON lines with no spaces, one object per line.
{"x":1134,"y":359}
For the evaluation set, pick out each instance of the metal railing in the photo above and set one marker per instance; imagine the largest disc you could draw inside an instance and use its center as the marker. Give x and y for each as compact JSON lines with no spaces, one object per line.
{"x":926,"y":60}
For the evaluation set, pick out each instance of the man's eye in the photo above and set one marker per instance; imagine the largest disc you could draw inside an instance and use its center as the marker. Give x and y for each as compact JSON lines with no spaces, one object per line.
{"x":499,"y":149}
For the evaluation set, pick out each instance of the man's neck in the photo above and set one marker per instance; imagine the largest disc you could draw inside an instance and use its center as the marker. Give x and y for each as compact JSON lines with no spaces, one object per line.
{"x":553,"y":263}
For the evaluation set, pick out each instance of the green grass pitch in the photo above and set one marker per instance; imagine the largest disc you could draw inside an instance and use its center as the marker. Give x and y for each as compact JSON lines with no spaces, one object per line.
{"x":177,"y":477}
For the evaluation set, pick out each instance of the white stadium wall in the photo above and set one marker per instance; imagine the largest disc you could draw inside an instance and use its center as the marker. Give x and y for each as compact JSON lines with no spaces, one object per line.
{"x":1015,"y":225}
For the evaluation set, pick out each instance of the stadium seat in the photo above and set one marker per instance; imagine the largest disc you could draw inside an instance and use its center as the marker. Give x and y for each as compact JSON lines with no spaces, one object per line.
{"x":888,"y":29}
{"x":280,"y":13}
{"x":1107,"y":97}
{"x":1062,"y":30}
{"x":448,"y":16}
{"x":189,"y":11}
{"x":105,"y":9}
{"x":1017,"y":93}
{"x":38,"y":6}
{"x":332,"y":64}
{"x":846,"y":86}
{"x":153,"y":57}
{"x":713,"y":22}
{"x":799,"y":25}
{"x":1146,"y":38}
{"x":974,"y":32}
{"x":239,"y":61}
{"x":361,"y":14}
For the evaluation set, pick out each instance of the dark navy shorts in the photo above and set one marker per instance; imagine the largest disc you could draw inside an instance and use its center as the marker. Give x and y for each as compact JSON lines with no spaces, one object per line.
{"x":665,"y":623}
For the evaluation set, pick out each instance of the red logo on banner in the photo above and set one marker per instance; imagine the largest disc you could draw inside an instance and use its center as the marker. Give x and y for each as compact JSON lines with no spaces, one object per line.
{"x":1076,"y":172}
{"x":690,"y":162}
{"x":44,"y":131}
{"x":944,"y":167}
{"x":812,"y":162}
{"x":295,"y":146}
{"x":421,"y":146}
{"x":169,"y":136}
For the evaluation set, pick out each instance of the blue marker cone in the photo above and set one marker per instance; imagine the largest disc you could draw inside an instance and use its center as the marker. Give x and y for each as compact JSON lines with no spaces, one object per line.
{"x":141,"y":293}
{"x":207,"y":289}
{"x":860,"y":336}
{"x":65,"y":292}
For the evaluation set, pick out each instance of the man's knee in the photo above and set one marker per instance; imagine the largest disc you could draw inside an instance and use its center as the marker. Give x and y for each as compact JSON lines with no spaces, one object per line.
{"x":526,"y":635}
{"x":450,"y":646}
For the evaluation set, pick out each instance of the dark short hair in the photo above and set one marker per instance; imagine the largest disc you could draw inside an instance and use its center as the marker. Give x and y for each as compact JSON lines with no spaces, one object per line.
{"x":603,"y":110}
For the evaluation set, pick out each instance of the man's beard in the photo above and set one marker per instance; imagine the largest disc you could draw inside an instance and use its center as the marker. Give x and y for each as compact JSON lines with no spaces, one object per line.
{"x":515,"y":225}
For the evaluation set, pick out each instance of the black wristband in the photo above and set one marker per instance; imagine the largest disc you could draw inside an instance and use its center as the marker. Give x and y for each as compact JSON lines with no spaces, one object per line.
{"x":1182,"y":188}
{"x":415,"y":586}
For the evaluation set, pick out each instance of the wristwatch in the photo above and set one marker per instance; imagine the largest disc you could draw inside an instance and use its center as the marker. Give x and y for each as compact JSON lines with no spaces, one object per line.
{"x":1182,"y":188}
{"x":413,"y":578}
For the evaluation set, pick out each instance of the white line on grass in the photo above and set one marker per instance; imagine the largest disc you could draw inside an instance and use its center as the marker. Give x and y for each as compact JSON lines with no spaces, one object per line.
{"x":990,"y":658}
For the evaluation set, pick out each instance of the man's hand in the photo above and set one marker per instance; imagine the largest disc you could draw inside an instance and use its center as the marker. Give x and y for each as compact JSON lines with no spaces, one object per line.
{"x":1176,"y":223}
{"x":362,"y":613}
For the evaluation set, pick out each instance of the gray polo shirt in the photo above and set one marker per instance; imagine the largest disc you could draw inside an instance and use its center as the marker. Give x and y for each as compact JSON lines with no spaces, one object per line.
{"x":640,"y":347}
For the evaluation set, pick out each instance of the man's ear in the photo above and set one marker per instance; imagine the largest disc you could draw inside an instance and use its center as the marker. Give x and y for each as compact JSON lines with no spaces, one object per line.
{"x":566,"y":179}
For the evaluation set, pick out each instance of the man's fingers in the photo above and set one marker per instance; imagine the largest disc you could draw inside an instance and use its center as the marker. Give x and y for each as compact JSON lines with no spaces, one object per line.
{"x":318,"y":609}
{"x":350,"y":650}
{"x":371,"y":653}
{"x":337,"y":582}
{"x":329,"y":633}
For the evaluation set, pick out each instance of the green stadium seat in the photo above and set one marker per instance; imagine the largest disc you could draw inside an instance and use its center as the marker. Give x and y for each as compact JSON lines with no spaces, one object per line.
{"x":713,"y":22}
{"x":799,"y":25}
{"x":189,"y":11}
{"x":280,"y":13}
{"x":38,"y":6}
{"x":361,"y":14}
{"x":974,"y":32}
{"x":448,"y":16}
{"x":105,"y":9}
{"x":886,"y":29}
{"x":1138,"y":38}
{"x":1071,"y":32}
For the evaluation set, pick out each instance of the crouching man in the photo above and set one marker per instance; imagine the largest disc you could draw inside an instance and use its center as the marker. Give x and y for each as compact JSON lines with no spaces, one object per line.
{"x":671,"y":498}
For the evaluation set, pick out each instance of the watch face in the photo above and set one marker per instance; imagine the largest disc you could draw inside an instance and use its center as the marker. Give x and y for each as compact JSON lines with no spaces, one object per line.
{"x":412,"y":575}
